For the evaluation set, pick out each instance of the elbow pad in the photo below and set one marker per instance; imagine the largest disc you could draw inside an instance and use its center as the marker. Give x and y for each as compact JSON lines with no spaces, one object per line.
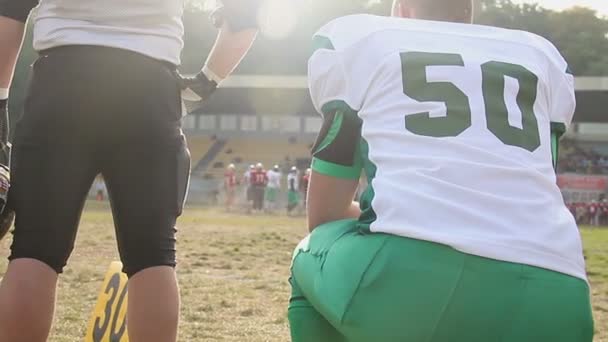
{"x":17,"y":9}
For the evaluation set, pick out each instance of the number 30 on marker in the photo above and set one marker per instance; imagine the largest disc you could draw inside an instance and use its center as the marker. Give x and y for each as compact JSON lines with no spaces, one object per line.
{"x":108,"y":322}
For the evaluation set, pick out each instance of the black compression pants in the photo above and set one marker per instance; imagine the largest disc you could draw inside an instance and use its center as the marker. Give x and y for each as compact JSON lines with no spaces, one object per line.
{"x":92,"y":110}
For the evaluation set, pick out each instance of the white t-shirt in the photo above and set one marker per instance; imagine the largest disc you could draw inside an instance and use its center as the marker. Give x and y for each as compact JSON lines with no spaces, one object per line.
{"x":292,"y":177}
{"x":151,"y":27}
{"x":455,"y":134}
{"x":274,"y":179}
{"x":247,"y":177}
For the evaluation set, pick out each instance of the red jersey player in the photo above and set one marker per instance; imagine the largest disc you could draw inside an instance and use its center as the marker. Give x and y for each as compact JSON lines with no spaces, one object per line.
{"x":259,"y":180}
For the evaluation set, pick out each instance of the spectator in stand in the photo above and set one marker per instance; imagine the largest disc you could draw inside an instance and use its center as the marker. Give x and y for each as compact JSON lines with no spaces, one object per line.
{"x":230,"y":184}
{"x":274,"y":186}
{"x":579,"y":160}
{"x":293,"y":196}
{"x":259,"y":181}
{"x":594,"y":213}
{"x":581,"y":213}
{"x":604,"y":212}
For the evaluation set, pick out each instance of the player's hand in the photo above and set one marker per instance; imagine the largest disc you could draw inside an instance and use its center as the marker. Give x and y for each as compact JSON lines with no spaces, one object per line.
{"x":196,"y":90}
{"x":238,"y":15}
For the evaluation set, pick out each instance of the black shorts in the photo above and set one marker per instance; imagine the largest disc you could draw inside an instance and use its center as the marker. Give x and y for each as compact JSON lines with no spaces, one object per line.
{"x":92,"y":110}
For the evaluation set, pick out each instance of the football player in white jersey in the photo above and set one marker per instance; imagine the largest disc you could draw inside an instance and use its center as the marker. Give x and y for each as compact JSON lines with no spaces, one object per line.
{"x":273,"y":189}
{"x":462,"y":234}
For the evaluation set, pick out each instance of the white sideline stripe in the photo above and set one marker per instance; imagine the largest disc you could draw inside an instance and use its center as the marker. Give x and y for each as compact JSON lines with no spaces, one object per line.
{"x":300,"y":82}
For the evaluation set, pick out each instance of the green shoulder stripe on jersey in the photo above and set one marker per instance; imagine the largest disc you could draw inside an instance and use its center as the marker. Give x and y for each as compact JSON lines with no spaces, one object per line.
{"x":557,"y":131}
{"x":321,"y":42}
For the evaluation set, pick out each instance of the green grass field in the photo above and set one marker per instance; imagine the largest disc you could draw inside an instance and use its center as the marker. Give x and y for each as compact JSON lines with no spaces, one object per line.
{"x":233,"y":273}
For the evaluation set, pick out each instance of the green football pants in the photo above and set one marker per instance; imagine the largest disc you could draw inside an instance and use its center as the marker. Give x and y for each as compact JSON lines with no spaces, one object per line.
{"x":360,"y":287}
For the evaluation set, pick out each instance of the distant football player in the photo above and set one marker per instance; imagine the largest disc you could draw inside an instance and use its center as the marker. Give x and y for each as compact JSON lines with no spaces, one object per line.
{"x":293,"y":196}
{"x":230,"y":184}
{"x":248,"y":186}
{"x":259,"y":181}
{"x":462,"y":234}
{"x":104,"y":97}
{"x":604,"y":208}
{"x":273,"y":188}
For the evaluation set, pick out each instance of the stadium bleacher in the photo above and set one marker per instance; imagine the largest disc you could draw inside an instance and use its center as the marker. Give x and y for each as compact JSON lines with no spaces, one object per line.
{"x":583,"y":158}
{"x":243,"y":152}
{"x":199,"y":146}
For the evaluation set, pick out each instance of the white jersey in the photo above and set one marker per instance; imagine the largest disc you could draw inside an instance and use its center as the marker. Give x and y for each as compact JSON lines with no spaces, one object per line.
{"x":292,"y":177}
{"x":247,"y":177}
{"x":456,"y":128}
{"x":274,"y":179}
{"x":151,"y":27}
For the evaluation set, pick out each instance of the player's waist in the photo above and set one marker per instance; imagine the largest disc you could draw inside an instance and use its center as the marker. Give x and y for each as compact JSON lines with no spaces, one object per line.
{"x":561,"y":254}
{"x":91,"y":55}
{"x":163,"y":45}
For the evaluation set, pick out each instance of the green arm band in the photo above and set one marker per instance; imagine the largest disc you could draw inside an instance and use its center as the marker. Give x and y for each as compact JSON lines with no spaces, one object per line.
{"x":557,"y":131}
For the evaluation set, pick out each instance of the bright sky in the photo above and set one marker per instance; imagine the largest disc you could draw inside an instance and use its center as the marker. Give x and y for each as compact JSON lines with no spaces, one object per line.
{"x":600,"y":5}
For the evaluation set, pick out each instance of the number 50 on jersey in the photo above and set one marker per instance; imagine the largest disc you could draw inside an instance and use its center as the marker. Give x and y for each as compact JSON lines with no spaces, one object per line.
{"x":109,"y":320}
{"x":458,"y":117}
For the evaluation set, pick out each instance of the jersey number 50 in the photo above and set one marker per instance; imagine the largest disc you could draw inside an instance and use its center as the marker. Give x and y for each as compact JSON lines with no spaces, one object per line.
{"x":458,"y":118}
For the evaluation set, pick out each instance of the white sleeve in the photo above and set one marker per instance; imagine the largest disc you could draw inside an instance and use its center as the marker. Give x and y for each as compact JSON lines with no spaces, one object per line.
{"x":563,"y":99}
{"x":562,"y":95}
{"x":327,"y":78}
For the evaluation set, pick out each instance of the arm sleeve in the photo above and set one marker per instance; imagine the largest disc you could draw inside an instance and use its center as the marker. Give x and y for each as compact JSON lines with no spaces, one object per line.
{"x":563,"y":106}
{"x":562,"y":97}
{"x":337,"y":150}
{"x":563,"y":102}
{"x":17,"y":9}
{"x":328,"y":79}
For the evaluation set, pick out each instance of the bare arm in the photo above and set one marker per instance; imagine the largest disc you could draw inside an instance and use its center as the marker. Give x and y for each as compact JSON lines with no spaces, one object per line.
{"x":13,"y":14}
{"x":229,"y":50}
{"x":331,"y":199}
{"x":11,"y":38}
